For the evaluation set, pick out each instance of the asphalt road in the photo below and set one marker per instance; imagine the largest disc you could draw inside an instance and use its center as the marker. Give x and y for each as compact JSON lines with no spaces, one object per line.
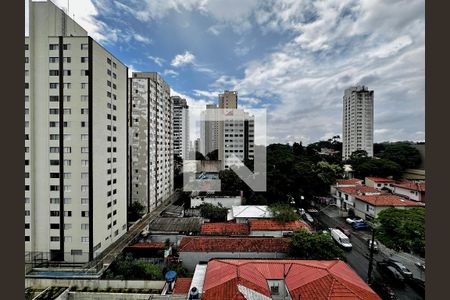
{"x":358,"y":258}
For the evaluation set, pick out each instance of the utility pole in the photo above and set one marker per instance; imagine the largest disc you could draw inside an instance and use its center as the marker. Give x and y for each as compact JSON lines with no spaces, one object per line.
{"x":369,"y":273}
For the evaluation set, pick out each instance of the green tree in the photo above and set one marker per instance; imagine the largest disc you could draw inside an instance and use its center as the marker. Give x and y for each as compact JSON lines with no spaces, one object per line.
{"x":135,"y":211}
{"x":377,"y":167}
{"x":402,"y":153}
{"x":320,"y":246}
{"x":402,"y":229}
{"x":283,"y":212}
{"x":328,"y":173}
{"x":147,"y":271}
{"x":213,"y":213}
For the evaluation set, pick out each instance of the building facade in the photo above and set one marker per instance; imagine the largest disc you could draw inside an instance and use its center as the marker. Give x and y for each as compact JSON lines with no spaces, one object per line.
{"x":357,"y":131}
{"x":151,"y":140}
{"x":180,"y":127}
{"x":75,"y":140}
{"x":209,"y":131}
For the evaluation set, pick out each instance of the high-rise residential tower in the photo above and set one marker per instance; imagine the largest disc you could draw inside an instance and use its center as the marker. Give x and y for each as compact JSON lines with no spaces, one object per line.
{"x":151,"y":140}
{"x":180,"y":127}
{"x":357,"y":131}
{"x":75,"y":140}
{"x":208,"y":131}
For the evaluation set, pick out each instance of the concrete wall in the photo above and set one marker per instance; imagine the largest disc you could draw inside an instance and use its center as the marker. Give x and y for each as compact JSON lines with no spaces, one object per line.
{"x":191,"y":259}
{"x":107,"y":296}
{"x":412,"y":195}
{"x":273,"y":233}
{"x":99,"y":284}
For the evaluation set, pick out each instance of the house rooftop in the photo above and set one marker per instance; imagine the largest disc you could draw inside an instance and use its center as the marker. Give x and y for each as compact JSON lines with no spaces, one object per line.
{"x":249,"y":211}
{"x":224,"y":229}
{"x":233,"y":244}
{"x":182,"y":286}
{"x":304,"y":279}
{"x":411,"y":185}
{"x":353,"y":181}
{"x":151,"y":245}
{"x":381,"y":180}
{"x":359,"y":190}
{"x":161,"y":224}
{"x":388,"y":200}
{"x":275,"y":225}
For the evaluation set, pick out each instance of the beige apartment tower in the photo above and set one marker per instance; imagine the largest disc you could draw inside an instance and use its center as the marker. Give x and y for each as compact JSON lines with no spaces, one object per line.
{"x":357,"y":131}
{"x":75,"y":140}
{"x":151,"y":140}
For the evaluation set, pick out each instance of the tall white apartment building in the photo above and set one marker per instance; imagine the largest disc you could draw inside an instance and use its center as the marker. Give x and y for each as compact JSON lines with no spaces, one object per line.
{"x":75,"y":140}
{"x":235,"y":133}
{"x":357,"y":131}
{"x":151,"y":140}
{"x":180,"y":126}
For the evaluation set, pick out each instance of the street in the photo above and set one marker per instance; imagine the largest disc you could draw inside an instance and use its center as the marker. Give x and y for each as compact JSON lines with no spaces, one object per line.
{"x":358,"y":257}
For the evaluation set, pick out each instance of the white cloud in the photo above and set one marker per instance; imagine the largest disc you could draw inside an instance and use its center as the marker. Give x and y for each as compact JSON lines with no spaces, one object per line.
{"x":157,"y":60}
{"x":131,"y":69}
{"x":142,"y":39}
{"x":183,"y":59}
{"x":171,"y":73}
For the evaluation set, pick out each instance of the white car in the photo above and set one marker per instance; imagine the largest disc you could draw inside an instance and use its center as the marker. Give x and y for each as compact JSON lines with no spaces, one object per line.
{"x":351,"y":221}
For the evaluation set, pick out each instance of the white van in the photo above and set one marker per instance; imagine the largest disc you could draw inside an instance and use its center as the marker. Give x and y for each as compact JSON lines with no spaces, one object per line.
{"x":341,"y":238}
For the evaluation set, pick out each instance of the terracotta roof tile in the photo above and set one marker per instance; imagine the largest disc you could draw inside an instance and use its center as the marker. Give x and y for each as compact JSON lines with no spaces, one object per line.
{"x":182,"y":285}
{"x":305,"y":279}
{"x":224,"y":229}
{"x":147,"y":246}
{"x":359,"y":189}
{"x":388,"y":200}
{"x":353,"y":181}
{"x":275,"y":225}
{"x":232,"y":244}
{"x":380,"y":179}
{"x":410,"y":185}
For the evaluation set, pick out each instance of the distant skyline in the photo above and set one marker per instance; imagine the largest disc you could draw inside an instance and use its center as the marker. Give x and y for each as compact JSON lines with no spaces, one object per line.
{"x":293,"y":57}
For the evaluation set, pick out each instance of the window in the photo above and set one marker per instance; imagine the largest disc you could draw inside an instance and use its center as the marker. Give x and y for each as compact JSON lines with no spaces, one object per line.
{"x":67,"y":239}
{"x":84,"y":163}
{"x":84,"y":150}
{"x":114,"y":65}
{"x":108,"y":94}
{"x":27,"y":60}
{"x":27,"y":213}
{"x":67,"y":85}
{"x":53,"y":59}
{"x":54,"y":213}
{"x":26,"y":47}
{"x":67,"y":111}
{"x":84,"y":98}
{"x":108,"y":72}
{"x":85,"y":239}
{"x":27,"y":225}
{"x":27,"y":238}
{"x":67,"y":150}
{"x":84,"y":188}
{"x":67,"y":60}
{"x":53,"y":72}
{"x":54,"y":162}
{"x":54,"y":226}
{"x":27,"y":85}
{"x":67,"y":72}
{"x":84,"y":137}
{"x":84,"y":201}
{"x":67,"y":213}
{"x":53,"y":85}
{"x":108,"y":83}
{"x":27,"y":200}
{"x":66,"y":47}
{"x":84,"y":72}
{"x":54,"y":98}
{"x":85,"y":213}
{"x":67,"y":200}
{"x":54,"y":188}
{"x":53,"y":47}
{"x":84,"y":226}
{"x":54,"y":200}
{"x":67,"y":162}
{"x":67,"y":137}
{"x":83,"y":124}
{"x":54,"y":175}
{"x":114,"y":87}
{"x":84,"y":111}
{"x":114,"y":75}
{"x":54,"y":239}
{"x":67,"y":188}
{"x":67,"y":98}
{"x":84,"y":46}
{"x":53,"y":111}
{"x":27,"y":98}
{"x":108,"y":60}
{"x":84,"y":85}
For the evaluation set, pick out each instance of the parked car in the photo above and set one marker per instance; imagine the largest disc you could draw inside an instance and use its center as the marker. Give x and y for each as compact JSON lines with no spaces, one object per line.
{"x":301,"y":211}
{"x":340,"y":238}
{"x":390,"y":273}
{"x":346,"y":231}
{"x":375,"y":245}
{"x":353,"y":220}
{"x":360,"y":226}
{"x":400,"y":268}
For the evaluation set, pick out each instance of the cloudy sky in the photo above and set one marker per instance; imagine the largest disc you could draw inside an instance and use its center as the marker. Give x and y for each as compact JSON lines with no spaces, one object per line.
{"x":292,"y":57}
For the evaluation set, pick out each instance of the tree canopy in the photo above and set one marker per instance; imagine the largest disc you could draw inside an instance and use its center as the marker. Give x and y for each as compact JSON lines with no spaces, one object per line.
{"x":213,"y":213}
{"x":135,"y":211}
{"x":283,"y":212}
{"x":125,"y":267}
{"x":402,"y":229}
{"x":402,"y":153}
{"x":320,"y":246}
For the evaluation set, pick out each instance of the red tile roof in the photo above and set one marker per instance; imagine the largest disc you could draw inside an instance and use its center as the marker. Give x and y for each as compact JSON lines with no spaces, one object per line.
{"x":353,"y":181}
{"x":232,"y":244}
{"x":380,"y":179}
{"x":410,"y":185}
{"x":182,"y":286}
{"x":305,"y":279}
{"x":224,"y":229}
{"x":275,"y":225}
{"x":388,"y":200}
{"x":148,"y":246}
{"x":359,"y":189}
